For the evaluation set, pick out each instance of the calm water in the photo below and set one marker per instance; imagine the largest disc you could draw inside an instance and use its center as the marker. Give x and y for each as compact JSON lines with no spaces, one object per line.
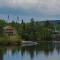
{"x":44,"y":51}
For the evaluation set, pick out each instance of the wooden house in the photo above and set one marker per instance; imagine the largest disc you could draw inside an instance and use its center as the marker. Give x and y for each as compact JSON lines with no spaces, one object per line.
{"x":9,"y":30}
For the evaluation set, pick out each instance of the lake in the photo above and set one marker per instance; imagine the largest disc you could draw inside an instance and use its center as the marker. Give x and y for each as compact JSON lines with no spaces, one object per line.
{"x":42,"y":51}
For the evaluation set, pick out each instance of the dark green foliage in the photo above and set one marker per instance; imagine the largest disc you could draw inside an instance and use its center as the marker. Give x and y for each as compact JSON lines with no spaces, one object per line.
{"x":33,"y":30}
{"x":2,"y":24}
{"x":1,"y":30}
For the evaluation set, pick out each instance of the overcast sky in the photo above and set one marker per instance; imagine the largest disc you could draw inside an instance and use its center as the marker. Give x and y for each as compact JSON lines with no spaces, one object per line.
{"x":39,"y":9}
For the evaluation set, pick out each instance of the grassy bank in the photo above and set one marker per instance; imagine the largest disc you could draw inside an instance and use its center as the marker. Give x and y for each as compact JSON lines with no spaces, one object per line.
{"x":10,"y":40}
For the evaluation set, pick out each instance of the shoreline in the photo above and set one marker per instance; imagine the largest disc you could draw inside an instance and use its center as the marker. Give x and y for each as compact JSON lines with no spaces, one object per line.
{"x":19,"y":42}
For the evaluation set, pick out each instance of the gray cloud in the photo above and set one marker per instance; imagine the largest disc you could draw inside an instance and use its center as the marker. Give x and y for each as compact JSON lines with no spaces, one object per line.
{"x":45,"y":7}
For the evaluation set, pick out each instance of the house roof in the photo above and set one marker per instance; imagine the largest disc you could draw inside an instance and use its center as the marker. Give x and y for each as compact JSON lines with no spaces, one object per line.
{"x":8,"y":27}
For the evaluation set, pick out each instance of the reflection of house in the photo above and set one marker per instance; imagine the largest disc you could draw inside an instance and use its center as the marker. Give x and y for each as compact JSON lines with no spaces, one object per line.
{"x":9,"y":30}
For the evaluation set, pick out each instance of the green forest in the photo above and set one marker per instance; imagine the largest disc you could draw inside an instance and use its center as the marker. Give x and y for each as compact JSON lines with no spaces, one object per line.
{"x":33,"y":30}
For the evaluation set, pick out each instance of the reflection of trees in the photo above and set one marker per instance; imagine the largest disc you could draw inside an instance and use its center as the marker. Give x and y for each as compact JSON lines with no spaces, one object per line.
{"x":45,"y":47}
{"x":57,"y":46}
{"x":31,"y":50}
{"x":16,"y":49}
{"x":2,"y":51}
{"x":1,"y":56}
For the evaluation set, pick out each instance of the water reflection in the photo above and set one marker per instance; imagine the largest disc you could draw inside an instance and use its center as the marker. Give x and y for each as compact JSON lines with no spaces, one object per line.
{"x":2,"y":52}
{"x":44,"y":49}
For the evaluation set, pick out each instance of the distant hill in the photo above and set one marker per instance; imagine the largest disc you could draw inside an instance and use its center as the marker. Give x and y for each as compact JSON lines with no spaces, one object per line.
{"x":51,"y":21}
